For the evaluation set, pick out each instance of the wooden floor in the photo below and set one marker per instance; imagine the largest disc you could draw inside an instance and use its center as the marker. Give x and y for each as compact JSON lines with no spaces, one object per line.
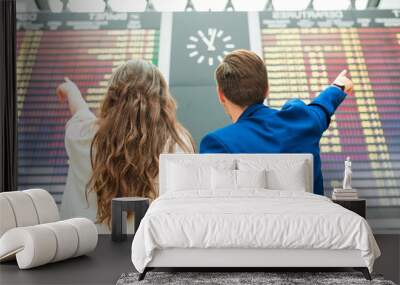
{"x":110,"y":260}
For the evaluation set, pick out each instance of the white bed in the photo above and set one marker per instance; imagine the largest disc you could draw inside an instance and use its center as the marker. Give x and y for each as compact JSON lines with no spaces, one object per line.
{"x":248,"y":226}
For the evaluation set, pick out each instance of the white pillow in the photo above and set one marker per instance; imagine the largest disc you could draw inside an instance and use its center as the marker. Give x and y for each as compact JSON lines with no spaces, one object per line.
{"x":295,"y":180}
{"x":181,"y":177}
{"x":228,"y":179}
{"x":223,"y":179}
{"x":251,"y":178}
{"x":290,"y":175}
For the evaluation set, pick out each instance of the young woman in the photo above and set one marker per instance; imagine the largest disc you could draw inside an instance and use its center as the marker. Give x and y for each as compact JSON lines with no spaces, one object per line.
{"x":116,"y":154}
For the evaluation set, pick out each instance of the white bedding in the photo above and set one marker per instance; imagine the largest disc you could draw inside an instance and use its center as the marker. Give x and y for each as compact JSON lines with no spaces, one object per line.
{"x":251,"y":218}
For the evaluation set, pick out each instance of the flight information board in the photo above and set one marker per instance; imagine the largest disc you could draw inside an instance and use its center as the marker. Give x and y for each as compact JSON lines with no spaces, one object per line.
{"x":305,"y":51}
{"x":84,"y":47}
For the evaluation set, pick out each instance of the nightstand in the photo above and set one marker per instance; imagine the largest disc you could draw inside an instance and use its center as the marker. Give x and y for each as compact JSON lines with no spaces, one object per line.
{"x":358,"y":206}
{"x":138,"y":205}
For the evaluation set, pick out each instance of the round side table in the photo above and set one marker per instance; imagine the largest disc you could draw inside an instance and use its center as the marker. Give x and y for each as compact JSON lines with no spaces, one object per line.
{"x":137,"y":205}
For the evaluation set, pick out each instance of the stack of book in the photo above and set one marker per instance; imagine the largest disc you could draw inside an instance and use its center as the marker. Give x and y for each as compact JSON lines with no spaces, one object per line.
{"x":344,"y":194}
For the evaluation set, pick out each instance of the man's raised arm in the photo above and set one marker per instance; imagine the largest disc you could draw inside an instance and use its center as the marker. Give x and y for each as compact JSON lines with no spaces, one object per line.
{"x":326,"y":103}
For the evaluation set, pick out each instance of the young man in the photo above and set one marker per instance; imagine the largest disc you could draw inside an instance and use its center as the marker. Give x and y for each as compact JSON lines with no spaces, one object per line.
{"x":242,"y":86}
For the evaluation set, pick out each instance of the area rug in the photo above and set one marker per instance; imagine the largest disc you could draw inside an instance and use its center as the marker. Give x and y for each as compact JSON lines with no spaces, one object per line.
{"x":244,"y":278}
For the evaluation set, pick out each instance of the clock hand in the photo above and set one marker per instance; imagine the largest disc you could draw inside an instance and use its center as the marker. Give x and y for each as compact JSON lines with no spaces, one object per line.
{"x":203,"y":37}
{"x":208,"y":43}
{"x":212,"y":39}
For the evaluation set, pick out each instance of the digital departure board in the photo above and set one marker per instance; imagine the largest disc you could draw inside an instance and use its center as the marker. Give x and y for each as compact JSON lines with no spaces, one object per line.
{"x":303,"y":52}
{"x":84,"y":47}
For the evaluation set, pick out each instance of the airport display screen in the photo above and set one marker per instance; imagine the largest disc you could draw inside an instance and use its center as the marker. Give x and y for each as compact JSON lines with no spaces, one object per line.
{"x":84,"y":47}
{"x":303,"y":51}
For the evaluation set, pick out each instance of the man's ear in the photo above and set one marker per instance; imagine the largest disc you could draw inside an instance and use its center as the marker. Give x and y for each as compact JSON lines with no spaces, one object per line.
{"x":221,"y":96}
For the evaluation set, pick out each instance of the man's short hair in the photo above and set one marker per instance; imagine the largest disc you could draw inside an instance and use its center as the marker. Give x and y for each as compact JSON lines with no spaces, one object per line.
{"x":242,"y":77}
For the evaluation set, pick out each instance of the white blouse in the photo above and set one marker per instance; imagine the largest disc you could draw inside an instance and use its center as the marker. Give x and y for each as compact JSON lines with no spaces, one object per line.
{"x":80,"y":130}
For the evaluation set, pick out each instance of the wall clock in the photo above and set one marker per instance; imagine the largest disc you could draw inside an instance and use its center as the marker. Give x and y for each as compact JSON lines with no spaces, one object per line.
{"x":209,"y":47}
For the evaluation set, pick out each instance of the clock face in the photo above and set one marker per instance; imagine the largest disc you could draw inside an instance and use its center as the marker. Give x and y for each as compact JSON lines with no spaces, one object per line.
{"x":209,"y":46}
{"x":199,"y":41}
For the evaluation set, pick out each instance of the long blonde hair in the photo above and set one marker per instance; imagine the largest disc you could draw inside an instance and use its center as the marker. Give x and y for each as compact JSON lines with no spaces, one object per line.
{"x":136,"y":123}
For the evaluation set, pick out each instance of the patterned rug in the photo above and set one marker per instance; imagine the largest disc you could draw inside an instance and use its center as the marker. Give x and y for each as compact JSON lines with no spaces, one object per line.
{"x":243,"y":278}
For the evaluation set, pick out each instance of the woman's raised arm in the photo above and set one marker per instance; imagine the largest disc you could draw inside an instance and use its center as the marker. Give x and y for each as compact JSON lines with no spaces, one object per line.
{"x":69,"y":91}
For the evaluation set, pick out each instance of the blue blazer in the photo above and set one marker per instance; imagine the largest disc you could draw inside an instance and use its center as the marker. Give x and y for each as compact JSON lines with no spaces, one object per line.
{"x":296,"y":128}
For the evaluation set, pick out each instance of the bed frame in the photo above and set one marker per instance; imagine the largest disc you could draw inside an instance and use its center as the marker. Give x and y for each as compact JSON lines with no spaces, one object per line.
{"x":242,"y":259}
{"x":246,"y":259}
